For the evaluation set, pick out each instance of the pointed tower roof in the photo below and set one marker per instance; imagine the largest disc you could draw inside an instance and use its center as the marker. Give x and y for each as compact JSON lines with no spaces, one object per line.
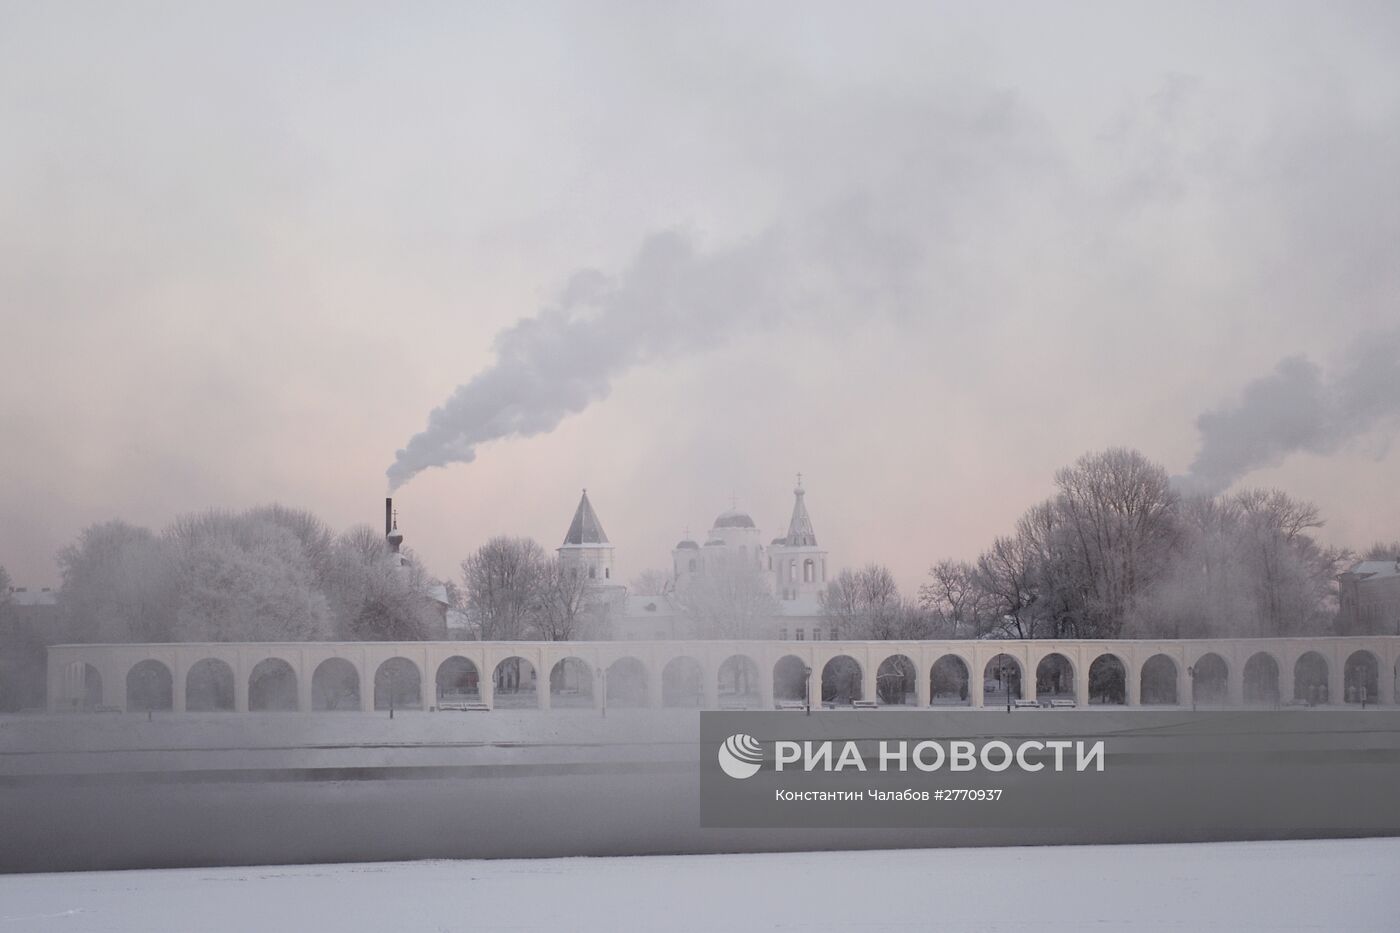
{"x":585,"y":529}
{"x":800,"y":533}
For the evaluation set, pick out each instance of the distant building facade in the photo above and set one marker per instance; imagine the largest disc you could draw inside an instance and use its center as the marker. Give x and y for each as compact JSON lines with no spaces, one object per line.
{"x":794,"y":567}
{"x":30,"y":621}
{"x":1369,"y":598}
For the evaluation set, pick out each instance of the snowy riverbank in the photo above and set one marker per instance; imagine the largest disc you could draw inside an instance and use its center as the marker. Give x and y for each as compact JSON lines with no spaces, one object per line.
{"x":1307,"y":885}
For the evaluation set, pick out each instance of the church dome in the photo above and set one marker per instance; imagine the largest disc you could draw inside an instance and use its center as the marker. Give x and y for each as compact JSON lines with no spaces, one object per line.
{"x":688,"y":545}
{"x":734,"y":519}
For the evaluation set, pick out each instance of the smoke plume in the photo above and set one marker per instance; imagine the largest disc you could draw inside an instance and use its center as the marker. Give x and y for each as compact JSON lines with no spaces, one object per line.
{"x":672,"y":299}
{"x":1299,"y":407}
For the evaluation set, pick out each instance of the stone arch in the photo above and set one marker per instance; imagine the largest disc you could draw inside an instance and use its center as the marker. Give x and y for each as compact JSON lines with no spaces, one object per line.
{"x":1210,"y":679}
{"x":149,"y":687}
{"x":1158,"y":684}
{"x":1000,"y":678}
{"x":790,"y":675}
{"x":949,"y":682}
{"x":683,"y":682}
{"x":626,"y":680}
{"x":1310,"y":678}
{"x":897,"y":681}
{"x":209,"y":687}
{"x":809,"y":571}
{"x":398,"y":684}
{"x":335,"y":685}
{"x":738,"y":682}
{"x":1108,"y":680}
{"x":272,"y":687}
{"x":1260,"y":679}
{"x":458,"y":680}
{"x":1054,"y":678}
{"x":571,"y":683}
{"x":513,"y":684}
{"x":1361,"y":677}
{"x":842,"y":681}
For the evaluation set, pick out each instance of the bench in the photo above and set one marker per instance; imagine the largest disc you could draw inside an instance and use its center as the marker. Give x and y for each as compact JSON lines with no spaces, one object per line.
{"x":864,"y":704}
{"x":1026,"y":704}
{"x":1063,"y":704}
{"x":463,"y":706}
{"x":791,"y":704}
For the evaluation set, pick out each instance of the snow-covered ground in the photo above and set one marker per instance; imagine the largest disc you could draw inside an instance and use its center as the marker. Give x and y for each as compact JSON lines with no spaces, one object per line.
{"x":1343,"y":885}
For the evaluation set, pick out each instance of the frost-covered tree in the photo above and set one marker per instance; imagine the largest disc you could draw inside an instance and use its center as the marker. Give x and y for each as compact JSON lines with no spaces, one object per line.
{"x":373,"y":595}
{"x":731,"y":599}
{"x":245,"y":578}
{"x":270,"y":573}
{"x":119,"y":584}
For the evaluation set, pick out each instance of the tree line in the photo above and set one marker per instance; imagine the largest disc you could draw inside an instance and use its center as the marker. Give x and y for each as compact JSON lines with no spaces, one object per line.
{"x":1118,"y":552}
{"x":266,"y":574}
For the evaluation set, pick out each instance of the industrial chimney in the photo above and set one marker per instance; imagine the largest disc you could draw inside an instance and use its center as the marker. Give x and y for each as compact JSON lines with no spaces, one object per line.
{"x":391,"y":526}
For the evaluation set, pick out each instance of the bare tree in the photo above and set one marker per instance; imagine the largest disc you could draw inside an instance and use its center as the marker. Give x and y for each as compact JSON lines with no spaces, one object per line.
{"x":866,"y":604}
{"x":1113,"y":529}
{"x":956,"y":606}
{"x":568,"y":603}
{"x":1383,"y":550}
{"x":1007,"y":577}
{"x":651,"y":582}
{"x":503,"y":582}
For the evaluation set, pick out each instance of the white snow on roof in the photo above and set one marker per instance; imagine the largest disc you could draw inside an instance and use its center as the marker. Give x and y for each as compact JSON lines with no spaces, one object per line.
{"x":1376,"y":568}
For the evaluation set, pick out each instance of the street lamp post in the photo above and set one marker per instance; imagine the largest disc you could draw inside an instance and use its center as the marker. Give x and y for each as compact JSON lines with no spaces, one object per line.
{"x":1191,"y":672}
{"x":807,"y":689}
{"x":1006,"y":683}
{"x":603,"y":682}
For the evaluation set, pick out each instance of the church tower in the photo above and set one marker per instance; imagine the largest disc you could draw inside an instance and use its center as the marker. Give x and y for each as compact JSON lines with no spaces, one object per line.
{"x":799,"y":565}
{"x":586,"y":548}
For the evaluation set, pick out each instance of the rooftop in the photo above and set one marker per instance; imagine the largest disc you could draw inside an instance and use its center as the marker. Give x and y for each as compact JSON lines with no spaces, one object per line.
{"x":585,"y":529}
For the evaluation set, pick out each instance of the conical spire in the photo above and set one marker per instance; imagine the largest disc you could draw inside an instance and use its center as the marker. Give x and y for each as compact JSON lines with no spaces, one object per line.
{"x":585,"y":529}
{"x":800,"y":533}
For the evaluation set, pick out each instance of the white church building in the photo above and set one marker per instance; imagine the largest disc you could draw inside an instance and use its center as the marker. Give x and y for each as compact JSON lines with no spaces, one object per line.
{"x":794,"y":566}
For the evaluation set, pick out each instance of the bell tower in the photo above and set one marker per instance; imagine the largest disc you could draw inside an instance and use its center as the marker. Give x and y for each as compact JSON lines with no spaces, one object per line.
{"x":799,"y":564}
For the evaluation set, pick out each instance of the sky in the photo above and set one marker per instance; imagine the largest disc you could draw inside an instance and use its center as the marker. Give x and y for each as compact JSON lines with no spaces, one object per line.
{"x":925,"y":254}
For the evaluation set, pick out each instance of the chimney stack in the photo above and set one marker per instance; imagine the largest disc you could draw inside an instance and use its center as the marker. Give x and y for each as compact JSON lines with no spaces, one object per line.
{"x":388,"y":516}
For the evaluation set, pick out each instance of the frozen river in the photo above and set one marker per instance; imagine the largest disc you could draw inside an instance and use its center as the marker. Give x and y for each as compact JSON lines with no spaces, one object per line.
{"x":1320,"y":885}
